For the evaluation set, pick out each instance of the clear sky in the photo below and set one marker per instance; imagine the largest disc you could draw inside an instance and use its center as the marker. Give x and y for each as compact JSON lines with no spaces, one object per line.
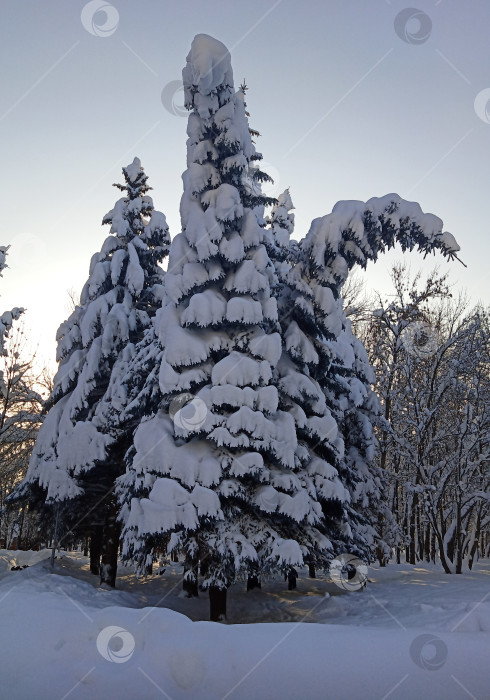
{"x":353,"y":98}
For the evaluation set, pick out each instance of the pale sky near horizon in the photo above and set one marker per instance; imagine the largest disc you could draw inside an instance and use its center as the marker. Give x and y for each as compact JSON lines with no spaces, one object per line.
{"x":353,"y":100}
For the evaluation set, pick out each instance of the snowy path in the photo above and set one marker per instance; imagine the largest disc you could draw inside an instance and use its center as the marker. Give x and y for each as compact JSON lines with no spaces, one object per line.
{"x":370,"y":645}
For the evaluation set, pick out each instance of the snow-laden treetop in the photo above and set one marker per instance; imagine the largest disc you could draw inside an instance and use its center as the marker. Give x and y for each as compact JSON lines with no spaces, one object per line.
{"x":134,"y":170}
{"x":284,"y":200}
{"x":208,"y":66}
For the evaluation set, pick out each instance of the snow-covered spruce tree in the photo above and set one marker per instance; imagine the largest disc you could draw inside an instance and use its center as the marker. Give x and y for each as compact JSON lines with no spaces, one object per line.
{"x":373,"y":528}
{"x":296,"y":392}
{"x":254,"y":177}
{"x":280,"y":226}
{"x":219,"y":484}
{"x":354,"y":233}
{"x":78,"y":453}
{"x":319,"y":447}
{"x":134,"y":391}
{"x":138,"y":377}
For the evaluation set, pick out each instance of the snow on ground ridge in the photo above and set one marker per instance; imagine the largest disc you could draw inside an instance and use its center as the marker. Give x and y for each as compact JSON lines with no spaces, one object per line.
{"x":370,"y":643}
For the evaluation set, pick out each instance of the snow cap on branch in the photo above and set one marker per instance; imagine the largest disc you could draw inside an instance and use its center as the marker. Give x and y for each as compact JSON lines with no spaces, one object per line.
{"x":356,"y":232}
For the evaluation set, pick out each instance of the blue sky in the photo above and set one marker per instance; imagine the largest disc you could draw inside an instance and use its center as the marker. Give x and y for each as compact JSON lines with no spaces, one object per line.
{"x":350,"y":101}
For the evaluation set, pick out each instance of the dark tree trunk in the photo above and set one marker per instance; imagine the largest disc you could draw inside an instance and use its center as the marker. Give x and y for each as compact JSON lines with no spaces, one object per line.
{"x":311,"y":571}
{"x":204,"y":567}
{"x":96,"y":549}
{"x":110,"y":547}
{"x":253,"y":581}
{"x":21,"y":526}
{"x":381,"y":555}
{"x":55,"y":537}
{"x":189,"y":583}
{"x":459,"y":540}
{"x":420,"y":537}
{"x":412,"y":559}
{"x":203,"y":570}
{"x":174,"y":556}
{"x":405,"y":532}
{"x":485,"y":537}
{"x":451,"y":548}
{"x":474,"y":545}
{"x":217,"y":604}
{"x":427,"y":544}
{"x":85,"y":547}
{"x":292,"y":576}
{"x":442,"y":554}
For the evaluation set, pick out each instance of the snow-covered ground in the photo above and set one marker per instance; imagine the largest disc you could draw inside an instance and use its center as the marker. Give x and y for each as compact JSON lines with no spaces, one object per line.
{"x":414,"y":632}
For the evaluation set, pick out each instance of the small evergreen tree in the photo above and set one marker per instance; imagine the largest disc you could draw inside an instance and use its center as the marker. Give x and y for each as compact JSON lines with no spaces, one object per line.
{"x":77,"y":455}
